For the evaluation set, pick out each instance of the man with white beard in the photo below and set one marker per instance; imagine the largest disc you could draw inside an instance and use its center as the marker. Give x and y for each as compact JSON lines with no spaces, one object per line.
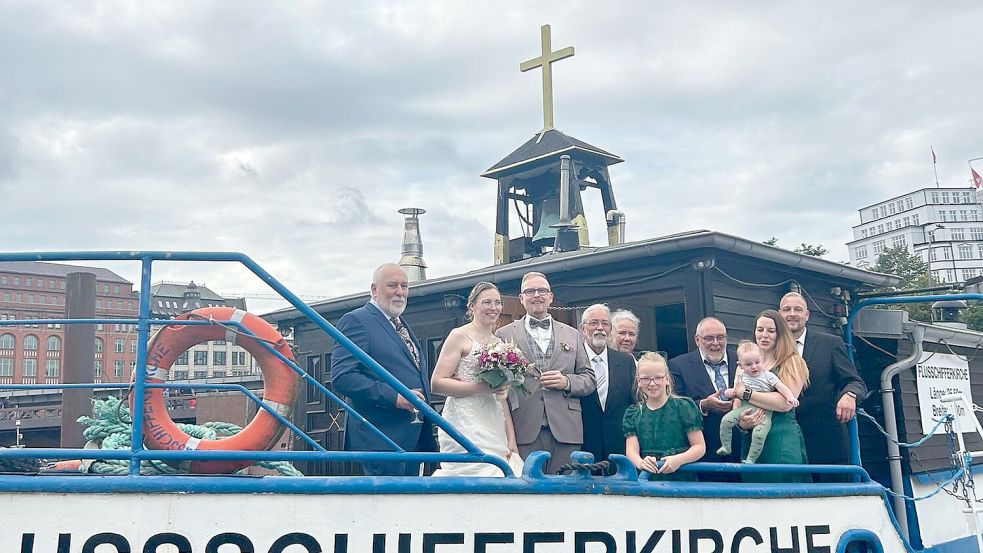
{"x":380,"y":331}
{"x":603,"y":411}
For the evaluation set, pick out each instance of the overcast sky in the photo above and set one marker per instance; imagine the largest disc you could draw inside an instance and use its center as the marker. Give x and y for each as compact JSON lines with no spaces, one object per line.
{"x":293,"y":131}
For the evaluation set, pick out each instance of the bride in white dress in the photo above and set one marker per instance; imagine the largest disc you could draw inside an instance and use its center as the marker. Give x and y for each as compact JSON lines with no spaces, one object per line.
{"x":477,"y":411}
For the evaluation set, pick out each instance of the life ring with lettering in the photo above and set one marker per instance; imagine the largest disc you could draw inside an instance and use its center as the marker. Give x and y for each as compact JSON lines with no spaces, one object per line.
{"x":280,"y":385}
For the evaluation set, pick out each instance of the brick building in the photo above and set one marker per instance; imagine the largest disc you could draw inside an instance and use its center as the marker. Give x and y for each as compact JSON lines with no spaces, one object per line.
{"x":32,"y":353}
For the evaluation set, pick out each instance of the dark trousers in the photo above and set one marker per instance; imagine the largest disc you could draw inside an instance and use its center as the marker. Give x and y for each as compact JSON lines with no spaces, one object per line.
{"x":377,"y":468}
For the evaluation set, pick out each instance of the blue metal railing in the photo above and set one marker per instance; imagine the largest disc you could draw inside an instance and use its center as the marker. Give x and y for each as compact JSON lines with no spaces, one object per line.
{"x":144,"y":323}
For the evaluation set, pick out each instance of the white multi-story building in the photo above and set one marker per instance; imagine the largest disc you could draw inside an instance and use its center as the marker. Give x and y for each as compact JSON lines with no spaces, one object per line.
{"x":214,"y":359}
{"x":942,"y":225}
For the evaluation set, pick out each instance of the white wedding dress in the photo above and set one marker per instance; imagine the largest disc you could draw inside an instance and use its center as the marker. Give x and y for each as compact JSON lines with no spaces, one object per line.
{"x":481,"y":419}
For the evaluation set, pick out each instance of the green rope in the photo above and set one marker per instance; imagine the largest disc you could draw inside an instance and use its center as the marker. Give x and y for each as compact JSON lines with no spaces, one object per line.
{"x":110,"y":426}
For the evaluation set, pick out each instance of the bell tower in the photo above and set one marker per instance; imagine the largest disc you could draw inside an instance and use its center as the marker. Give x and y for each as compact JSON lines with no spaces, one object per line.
{"x":546,"y":175}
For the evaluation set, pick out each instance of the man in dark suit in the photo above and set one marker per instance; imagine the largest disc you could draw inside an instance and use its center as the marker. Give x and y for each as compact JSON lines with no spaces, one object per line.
{"x":830,"y":401}
{"x":379,"y":331}
{"x":614,"y":372}
{"x":701,"y":375}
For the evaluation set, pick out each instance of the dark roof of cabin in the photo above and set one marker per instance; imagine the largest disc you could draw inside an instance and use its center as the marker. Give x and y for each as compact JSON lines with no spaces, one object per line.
{"x":42,"y":268}
{"x":553,"y":144}
{"x":566,"y":261}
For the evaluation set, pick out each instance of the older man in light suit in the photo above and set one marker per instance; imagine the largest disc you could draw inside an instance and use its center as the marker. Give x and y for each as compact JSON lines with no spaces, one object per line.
{"x":549,"y":418}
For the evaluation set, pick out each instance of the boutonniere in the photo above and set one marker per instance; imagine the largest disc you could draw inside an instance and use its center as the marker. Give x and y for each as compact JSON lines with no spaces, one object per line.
{"x":564,"y":346}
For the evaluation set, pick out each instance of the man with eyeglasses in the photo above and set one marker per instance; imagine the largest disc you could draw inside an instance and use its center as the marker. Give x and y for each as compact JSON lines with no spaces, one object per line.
{"x":548,"y":418}
{"x":701,"y":375}
{"x":834,"y":390}
{"x":604,"y":410}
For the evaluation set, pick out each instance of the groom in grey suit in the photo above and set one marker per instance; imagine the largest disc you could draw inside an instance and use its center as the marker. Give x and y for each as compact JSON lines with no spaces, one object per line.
{"x":548,"y":419}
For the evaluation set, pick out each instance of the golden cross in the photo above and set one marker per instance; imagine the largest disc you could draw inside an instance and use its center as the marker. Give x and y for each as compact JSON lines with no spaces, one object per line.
{"x":545,"y":60}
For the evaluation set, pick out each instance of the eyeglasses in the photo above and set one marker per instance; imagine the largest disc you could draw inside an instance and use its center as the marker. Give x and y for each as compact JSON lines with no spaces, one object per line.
{"x":720,"y":338}
{"x":646,"y":380}
{"x":598,"y":322}
{"x":534,"y":291}
{"x":489,"y":303}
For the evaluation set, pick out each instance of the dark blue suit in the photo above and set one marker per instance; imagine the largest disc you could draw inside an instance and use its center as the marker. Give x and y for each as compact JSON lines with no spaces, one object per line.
{"x":690,"y":379}
{"x":375,"y":400}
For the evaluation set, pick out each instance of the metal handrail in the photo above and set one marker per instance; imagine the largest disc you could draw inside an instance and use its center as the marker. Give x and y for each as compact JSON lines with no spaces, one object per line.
{"x":144,"y":322}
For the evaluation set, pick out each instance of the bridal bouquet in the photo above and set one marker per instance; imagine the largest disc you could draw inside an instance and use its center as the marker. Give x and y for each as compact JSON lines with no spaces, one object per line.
{"x":502,"y":362}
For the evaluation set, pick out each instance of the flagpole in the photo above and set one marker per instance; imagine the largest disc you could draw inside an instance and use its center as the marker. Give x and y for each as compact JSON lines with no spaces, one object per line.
{"x":935,"y":167}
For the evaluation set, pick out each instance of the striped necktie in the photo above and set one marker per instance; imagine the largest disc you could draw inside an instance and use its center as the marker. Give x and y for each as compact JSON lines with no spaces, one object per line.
{"x":405,"y":335}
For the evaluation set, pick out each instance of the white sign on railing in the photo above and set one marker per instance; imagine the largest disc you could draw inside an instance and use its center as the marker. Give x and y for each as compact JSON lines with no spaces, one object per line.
{"x":942,"y":374}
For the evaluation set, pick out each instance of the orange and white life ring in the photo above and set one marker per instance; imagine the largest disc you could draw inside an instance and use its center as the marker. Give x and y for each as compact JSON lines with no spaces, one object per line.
{"x":280,"y":385}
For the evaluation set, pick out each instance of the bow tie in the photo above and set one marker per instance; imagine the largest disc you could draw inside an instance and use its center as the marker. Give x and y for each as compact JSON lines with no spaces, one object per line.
{"x":543,"y":324}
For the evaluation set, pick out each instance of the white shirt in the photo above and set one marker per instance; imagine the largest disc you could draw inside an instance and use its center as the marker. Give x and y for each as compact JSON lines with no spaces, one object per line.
{"x":711,"y":372}
{"x":599,"y":361}
{"x":800,"y":343}
{"x":541,"y":336}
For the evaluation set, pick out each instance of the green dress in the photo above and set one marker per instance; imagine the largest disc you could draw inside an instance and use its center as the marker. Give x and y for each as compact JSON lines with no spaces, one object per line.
{"x":784,"y":446}
{"x":662,"y":432}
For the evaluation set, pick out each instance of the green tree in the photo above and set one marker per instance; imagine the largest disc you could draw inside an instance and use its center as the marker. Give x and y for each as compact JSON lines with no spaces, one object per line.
{"x":913,"y":272}
{"x":814,"y":250}
{"x":973,"y":317}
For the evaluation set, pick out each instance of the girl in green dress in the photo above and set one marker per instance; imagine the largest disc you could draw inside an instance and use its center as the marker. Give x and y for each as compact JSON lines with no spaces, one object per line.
{"x":785,"y":444}
{"x":662,"y":431}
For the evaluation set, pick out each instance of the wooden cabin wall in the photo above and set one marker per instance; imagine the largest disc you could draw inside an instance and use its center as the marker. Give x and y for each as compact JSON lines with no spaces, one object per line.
{"x":739,"y":290}
{"x":934,"y":454}
{"x":872,"y":356}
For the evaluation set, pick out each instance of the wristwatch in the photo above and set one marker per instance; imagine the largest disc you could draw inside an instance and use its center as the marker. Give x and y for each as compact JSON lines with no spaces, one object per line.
{"x":747,"y":394}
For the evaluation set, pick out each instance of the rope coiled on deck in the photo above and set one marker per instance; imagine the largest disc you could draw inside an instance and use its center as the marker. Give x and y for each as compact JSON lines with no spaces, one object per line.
{"x":110,"y":427}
